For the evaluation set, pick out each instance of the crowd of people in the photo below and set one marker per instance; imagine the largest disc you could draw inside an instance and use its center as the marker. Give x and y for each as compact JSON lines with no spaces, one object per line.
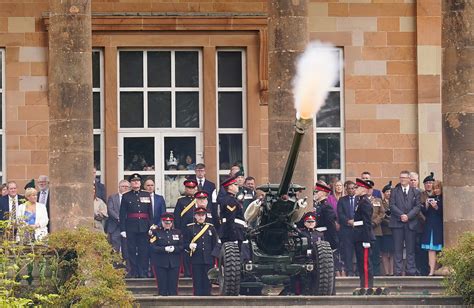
{"x":395,"y":231}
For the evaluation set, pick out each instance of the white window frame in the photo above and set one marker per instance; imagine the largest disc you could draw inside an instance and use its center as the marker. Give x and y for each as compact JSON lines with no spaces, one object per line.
{"x":173,"y":89}
{"x":100,"y":131}
{"x":2,"y":130}
{"x":242,"y":130}
{"x":339,"y":130}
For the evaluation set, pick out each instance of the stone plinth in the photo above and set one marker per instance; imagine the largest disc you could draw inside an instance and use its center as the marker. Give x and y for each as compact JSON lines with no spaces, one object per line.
{"x":70,"y":114}
{"x":458,"y":117}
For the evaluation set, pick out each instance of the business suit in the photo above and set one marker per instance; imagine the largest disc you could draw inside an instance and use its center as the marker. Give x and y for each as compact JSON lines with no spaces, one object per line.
{"x":45,"y":202}
{"x":5,"y":205}
{"x":113,"y":224}
{"x":404,"y":232}
{"x":159,"y":208}
{"x":345,"y":212}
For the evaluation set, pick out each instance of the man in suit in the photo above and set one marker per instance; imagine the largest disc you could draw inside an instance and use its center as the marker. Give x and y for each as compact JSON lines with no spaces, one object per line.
{"x":43,"y":192}
{"x":113,"y":225}
{"x":157,"y":202}
{"x":421,"y":255}
{"x":9,"y":203}
{"x":99,"y":187}
{"x":345,"y":213}
{"x":209,"y":187}
{"x":405,"y":205}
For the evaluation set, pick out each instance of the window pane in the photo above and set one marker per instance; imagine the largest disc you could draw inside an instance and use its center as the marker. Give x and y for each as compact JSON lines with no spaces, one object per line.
{"x":159,"y":69}
{"x":131,"y":69}
{"x":329,"y":179}
{"x":187,"y":109}
{"x":131,"y":109}
{"x":159,"y":109}
{"x":339,"y":65}
{"x":1,"y":112}
{"x":230,"y":150}
{"x":1,"y":151}
{"x":139,"y":154}
{"x":229,"y":69}
{"x":96,"y":109}
{"x":180,"y":153}
{"x":330,"y":113}
{"x":1,"y":70}
{"x":329,"y":151}
{"x":96,"y":69}
{"x":97,"y":152}
{"x":230,"y":110}
{"x":186,"y":68}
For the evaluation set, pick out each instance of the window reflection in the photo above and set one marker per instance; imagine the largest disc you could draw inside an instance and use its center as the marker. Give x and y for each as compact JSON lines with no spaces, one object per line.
{"x":139,"y":154}
{"x":180,"y":153}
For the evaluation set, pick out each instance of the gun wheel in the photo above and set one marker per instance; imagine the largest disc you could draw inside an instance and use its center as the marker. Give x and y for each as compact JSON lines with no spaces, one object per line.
{"x":323,"y":274}
{"x":229,"y":269}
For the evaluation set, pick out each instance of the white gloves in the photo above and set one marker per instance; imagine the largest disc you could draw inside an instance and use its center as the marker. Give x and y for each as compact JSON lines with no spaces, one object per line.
{"x":192,"y":246}
{"x":366,"y":245}
{"x":153,"y":227}
{"x":302,"y":203}
{"x":123,"y":234}
{"x":169,"y":248}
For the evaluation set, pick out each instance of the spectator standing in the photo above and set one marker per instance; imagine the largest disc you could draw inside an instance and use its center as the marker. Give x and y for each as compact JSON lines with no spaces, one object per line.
{"x":248,"y":192}
{"x":421,"y":256}
{"x":158,"y":204}
{"x":405,"y":205}
{"x":4,"y":189}
{"x":433,"y":234}
{"x":9,"y":203}
{"x":34,"y":213}
{"x":100,"y":212}
{"x":210,"y":188}
{"x":337,"y":193}
{"x":346,"y":210}
{"x":43,"y":192}
{"x":387,"y":238}
{"x":99,"y":187}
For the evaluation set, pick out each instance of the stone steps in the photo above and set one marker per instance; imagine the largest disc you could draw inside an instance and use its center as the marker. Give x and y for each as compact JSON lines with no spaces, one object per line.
{"x":344,"y":286}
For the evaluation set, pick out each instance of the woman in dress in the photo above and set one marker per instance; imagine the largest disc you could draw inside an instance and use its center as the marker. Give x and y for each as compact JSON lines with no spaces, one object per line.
{"x":100,"y":213}
{"x":387,"y":246}
{"x":34,"y":214}
{"x":336,"y":193}
{"x":433,"y":234}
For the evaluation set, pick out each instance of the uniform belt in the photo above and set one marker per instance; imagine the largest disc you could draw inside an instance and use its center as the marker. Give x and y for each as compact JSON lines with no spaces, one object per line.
{"x":138,"y":215}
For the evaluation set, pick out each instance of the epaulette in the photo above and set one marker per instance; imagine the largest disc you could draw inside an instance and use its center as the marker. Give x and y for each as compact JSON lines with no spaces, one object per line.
{"x":181,"y":197}
{"x":191,"y":224}
{"x":208,"y":223}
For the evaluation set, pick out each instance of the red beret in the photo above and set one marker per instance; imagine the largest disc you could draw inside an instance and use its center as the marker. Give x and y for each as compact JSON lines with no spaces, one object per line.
{"x":322,"y":187}
{"x":201,"y":194}
{"x":191,"y":183}
{"x":167,"y":217}
{"x":364,"y":183}
{"x":310,"y":216}
{"x":229,"y":181}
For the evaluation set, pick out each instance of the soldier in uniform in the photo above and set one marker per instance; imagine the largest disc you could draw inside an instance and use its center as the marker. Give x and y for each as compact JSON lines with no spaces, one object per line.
{"x":232,"y":221}
{"x":377,"y":217}
{"x":166,"y":244}
{"x":135,"y":217}
{"x":201,"y":239}
{"x":363,"y":234}
{"x":310,"y":229}
{"x":202,"y":201}
{"x":183,"y":213}
{"x":325,"y":214}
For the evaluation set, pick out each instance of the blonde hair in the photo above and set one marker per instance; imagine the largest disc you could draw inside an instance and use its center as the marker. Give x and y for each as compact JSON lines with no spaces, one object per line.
{"x":30,"y":191}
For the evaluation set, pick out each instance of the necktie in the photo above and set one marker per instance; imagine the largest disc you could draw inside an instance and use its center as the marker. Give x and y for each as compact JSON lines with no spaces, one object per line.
{"x":200,"y":185}
{"x":13,"y":212}
{"x":352,"y":206}
{"x":405,"y":192}
{"x":43,"y":197}
{"x":152,"y":205}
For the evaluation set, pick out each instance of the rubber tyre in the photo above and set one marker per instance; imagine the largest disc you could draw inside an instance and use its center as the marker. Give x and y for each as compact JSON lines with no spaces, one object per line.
{"x":229,"y":269}
{"x":323,"y":274}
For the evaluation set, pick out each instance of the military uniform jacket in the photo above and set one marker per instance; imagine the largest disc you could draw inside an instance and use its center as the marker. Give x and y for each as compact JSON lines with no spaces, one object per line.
{"x":378,"y":215}
{"x":161,"y":238}
{"x":363,"y":220}
{"x":135,"y":211}
{"x":183,"y":212}
{"x":313,"y":235}
{"x":205,"y":243}
{"x":246,"y":196}
{"x":232,"y":220}
{"x":326,"y":217}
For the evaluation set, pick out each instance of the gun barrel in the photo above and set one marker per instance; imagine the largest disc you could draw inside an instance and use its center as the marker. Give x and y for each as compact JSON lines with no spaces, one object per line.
{"x":300,"y":128}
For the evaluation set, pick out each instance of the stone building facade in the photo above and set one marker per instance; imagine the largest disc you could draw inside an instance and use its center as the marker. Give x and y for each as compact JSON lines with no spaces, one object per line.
{"x":384,"y":116}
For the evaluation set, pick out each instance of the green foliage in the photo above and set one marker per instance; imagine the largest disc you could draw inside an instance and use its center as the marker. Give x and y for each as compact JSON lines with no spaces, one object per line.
{"x":460,"y":260}
{"x":89,"y":278}
{"x":73,"y":268}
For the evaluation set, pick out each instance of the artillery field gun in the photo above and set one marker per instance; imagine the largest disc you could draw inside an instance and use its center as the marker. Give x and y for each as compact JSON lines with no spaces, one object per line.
{"x":277,"y":253}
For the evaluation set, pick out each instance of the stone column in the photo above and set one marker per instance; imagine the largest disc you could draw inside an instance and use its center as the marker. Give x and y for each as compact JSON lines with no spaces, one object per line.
{"x":458,"y":117}
{"x":70,"y":114}
{"x":288,"y":37}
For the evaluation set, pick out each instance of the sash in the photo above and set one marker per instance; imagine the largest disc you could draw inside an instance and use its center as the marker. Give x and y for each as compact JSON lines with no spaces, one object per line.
{"x":197,"y":236}
{"x":188,"y":207}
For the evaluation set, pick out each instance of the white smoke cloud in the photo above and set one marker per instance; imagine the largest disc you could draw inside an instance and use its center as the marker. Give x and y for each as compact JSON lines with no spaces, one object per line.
{"x":316,"y":71}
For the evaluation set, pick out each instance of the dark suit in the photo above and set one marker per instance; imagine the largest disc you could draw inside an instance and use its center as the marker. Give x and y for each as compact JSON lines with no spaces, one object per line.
{"x":345,"y":212}
{"x":5,"y":205}
{"x":404,"y":232}
{"x":48,"y":191}
{"x":100,"y":190}
{"x":159,"y":208}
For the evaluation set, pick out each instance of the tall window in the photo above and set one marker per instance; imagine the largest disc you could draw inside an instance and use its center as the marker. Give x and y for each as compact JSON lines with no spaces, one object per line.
{"x":160,"y":122}
{"x":231,"y":99}
{"x":98,"y":107}
{"x":2,"y":116}
{"x":329,"y":131}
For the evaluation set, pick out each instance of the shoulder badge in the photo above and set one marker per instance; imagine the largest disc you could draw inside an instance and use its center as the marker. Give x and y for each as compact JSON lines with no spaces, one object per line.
{"x":191,"y":224}
{"x":208,"y":223}
{"x":231,"y":208}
